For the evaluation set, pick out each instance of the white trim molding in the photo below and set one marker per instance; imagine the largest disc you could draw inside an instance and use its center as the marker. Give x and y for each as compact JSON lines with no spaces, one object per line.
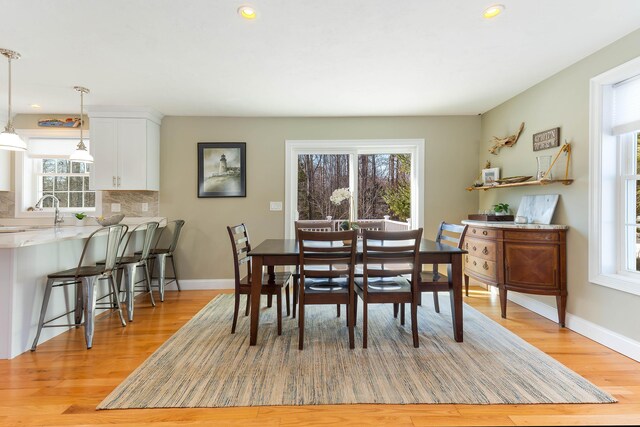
{"x":597,"y":333}
{"x":415,"y":147}
{"x":202,"y":284}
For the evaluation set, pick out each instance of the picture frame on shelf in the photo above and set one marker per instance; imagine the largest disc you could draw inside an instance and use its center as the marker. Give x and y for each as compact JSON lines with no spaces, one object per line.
{"x":222,"y":169}
{"x":489,"y":176}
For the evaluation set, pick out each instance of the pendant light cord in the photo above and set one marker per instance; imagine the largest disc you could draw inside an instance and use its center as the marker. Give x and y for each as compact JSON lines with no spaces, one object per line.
{"x":9,"y":127}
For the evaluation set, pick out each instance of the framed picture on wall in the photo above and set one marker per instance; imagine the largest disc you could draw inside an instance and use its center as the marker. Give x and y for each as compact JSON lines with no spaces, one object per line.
{"x":222,"y":169}
{"x":489,"y":176}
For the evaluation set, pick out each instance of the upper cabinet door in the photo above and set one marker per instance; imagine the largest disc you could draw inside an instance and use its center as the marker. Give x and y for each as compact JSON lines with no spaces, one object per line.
{"x":132,"y":154}
{"x":104,"y":148}
{"x":5,"y":170}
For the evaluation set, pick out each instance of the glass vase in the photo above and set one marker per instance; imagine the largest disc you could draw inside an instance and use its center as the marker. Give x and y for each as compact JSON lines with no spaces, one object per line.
{"x":544,"y":163}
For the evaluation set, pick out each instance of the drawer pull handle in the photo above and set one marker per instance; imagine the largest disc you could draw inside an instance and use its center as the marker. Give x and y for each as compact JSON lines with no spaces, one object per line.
{"x":474,"y":263}
{"x":467,"y":246}
{"x":485,"y":250}
{"x":485,"y":265}
{"x":474,"y":230}
{"x":485,"y":232}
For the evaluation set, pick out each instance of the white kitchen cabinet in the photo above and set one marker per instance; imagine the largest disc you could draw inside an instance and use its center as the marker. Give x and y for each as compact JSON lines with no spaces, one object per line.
{"x":5,"y":170}
{"x":126,"y":151}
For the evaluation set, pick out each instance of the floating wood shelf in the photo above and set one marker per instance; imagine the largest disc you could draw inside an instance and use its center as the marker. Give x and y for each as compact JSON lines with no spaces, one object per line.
{"x":522,"y":184}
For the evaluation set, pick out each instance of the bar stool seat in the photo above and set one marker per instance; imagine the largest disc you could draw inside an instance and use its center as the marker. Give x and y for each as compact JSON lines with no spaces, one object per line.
{"x":84,"y":278}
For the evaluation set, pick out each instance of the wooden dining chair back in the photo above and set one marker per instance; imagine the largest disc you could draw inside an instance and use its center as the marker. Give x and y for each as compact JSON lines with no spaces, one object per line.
{"x":327,"y":262}
{"x":390,"y":274}
{"x":271,"y":283}
{"x":432,"y":280}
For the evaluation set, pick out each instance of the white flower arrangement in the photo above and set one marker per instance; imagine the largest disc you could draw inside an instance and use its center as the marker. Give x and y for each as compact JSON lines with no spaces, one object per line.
{"x":340,"y":195}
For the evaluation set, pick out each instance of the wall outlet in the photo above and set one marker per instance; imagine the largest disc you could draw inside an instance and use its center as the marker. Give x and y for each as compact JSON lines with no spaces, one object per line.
{"x":275,"y":206}
{"x":115,"y":207}
{"x":145,"y":207}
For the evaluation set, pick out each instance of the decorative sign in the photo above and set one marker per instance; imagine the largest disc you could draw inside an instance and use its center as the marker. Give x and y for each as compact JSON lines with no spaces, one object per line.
{"x":71,"y":122}
{"x":547,"y":139}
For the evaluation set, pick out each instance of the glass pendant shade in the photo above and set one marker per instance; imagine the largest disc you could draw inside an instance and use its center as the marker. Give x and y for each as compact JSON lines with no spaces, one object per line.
{"x":81,"y":154}
{"x":9,"y":139}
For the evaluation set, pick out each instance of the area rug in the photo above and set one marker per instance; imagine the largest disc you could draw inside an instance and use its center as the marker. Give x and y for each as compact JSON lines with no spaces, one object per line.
{"x":204,"y":365}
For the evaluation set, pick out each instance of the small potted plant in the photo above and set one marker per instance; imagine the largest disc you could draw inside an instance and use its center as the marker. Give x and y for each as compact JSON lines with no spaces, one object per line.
{"x":80,"y":219}
{"x":501,"y":209}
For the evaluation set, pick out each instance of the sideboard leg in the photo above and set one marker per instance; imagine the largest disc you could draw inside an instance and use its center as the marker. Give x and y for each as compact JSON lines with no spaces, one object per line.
{"x":503,"y":301}
{"x":561,"y":301}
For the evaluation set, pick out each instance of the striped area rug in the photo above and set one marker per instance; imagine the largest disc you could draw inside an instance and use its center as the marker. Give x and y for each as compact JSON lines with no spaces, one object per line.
{"x":203,"y":365}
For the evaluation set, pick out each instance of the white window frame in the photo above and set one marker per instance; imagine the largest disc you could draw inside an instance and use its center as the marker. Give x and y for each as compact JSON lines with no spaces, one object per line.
{"x":294,"y":148}
{"x":607,"y":251}
{"x":21,"y":180}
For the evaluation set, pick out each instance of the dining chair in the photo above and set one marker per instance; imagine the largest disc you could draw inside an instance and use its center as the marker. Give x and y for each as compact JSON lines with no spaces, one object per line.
{"x":129,"y":264}
{"x":390,"y":274}
{"x":83,"y":278}
{"x":433,"y":280}
{"x":271,"y":285}
{"x":320,"y":225}
{"x":161,"y":254}
{"x":327,"y":264}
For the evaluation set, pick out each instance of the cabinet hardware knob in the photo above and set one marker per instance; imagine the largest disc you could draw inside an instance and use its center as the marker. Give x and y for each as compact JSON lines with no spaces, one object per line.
{"x":467,"y":246}
{"x":485,"y":265}
{"x":474,"y":230}
{"x":474,"y":263}
{"x":474,"y":248}
{"x":485,"y":250}
{"x":485,"y":232}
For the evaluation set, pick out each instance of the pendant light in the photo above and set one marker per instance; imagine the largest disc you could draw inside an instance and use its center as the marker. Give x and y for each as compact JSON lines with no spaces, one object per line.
{"x":9,"y":139}
{"x":81,"y":154}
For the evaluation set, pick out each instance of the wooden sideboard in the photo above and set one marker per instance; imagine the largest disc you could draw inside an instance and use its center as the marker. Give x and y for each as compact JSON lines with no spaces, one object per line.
{"x":527,"y":258}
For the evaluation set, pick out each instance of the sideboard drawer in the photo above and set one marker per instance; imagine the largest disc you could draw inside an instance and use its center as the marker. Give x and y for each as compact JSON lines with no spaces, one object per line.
{"x":482,"y":232}
{"x":481,"y":266}
{"x":485,"y":249}
{"x":540,"y":236}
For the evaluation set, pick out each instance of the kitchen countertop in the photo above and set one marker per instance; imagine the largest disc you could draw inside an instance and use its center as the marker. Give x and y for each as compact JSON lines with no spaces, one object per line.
{"x":42,"y":234}
{"x":511,"y":224}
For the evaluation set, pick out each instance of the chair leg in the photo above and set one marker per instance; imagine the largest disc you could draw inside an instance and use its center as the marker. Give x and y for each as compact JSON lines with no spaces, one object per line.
{"x":338,"y":309}
{"x":161,"y":274}
{"x":436,"y":302}
{"x":175,"y":272}
{"x":79,"y":304}
{"x":43,"y":311}
{"x":269,"y":300}
{"x":236,"y":307}
{"x":365,"y":323}
{"x":279,"y":308}
{"x":414,"y":324}
{"x":246,"y":312}
{"x":402,"y":314}
{"x":301,"y":323}
{"x":89,"y":296}
{"x":351,"y":321}
{"x":148,"y":279}
{"x":395,"y":310}
{"x":295,"y":295}
{"x":286,"y":290}
{"x":130,"y":276}
{"x":466,"y":285}
{"x":114,"y":289}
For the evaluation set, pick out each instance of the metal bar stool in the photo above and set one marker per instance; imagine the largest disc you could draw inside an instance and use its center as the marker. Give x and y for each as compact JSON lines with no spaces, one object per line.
{"x":83,"y":278}
{"x":160,"y":256}
{"x":130,"y":264}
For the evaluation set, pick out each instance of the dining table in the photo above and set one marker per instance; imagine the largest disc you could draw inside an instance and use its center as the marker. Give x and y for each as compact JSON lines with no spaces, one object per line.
{"x":285,"y":252}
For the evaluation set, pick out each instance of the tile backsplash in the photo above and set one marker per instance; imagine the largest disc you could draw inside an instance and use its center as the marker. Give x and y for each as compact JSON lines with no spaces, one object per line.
{"x":131,"y":202}
{"x":7,"y":203}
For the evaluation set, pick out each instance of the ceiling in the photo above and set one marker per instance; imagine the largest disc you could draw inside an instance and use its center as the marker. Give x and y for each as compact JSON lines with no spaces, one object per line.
{"x":299,"y":57}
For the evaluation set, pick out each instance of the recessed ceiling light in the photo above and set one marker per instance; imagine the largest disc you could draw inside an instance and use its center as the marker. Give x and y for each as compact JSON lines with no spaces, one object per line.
{"x":35,"y":106}
{"x":247,"y":12}
{"x":493,"y":11}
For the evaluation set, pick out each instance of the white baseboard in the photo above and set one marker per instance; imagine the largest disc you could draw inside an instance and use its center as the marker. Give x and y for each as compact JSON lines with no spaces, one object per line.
{"x":202,"y":284}
{"x":597,"y":333}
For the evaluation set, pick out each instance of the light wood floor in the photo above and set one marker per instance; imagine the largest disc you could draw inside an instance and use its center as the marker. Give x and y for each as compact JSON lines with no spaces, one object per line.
{"x":62,"y":382}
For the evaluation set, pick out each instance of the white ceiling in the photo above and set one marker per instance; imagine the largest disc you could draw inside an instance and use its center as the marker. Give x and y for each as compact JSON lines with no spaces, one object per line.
{"x":300,"y":57}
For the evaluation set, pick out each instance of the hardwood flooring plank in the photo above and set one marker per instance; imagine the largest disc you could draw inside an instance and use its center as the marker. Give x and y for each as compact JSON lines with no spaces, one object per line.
{"x":577,"y":420}
{"x":489,"y":420}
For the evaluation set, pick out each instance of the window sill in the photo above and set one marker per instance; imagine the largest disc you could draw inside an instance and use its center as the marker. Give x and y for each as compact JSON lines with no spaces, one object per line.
{"x":618,"y":282}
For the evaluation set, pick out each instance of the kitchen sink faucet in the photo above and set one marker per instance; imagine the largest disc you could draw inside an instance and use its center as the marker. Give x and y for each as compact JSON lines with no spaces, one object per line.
{"x":57,"y":219}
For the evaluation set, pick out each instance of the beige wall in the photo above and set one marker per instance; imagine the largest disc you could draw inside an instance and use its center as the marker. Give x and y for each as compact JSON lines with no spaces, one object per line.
{"x":563,"y":100}
{"x":204,"y":252}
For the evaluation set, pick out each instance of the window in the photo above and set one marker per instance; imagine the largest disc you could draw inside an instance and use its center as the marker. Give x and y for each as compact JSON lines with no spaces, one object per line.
{"x":614,"y":179}
{"x":66,"y":180}
{"x":45,"y":169}
{"x":385,"y":177}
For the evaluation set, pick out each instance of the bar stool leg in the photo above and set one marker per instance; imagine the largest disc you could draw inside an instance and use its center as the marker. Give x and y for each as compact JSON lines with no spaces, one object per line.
{"x":79,"y":304}
{"x":130,"y":272}
{"x":114,"y":289}
{"x":89,"y":297}
{"x":175,"y":272}
{"x":43,"y":311}
{"x":148,"y":279}
{"x":161,"y":258}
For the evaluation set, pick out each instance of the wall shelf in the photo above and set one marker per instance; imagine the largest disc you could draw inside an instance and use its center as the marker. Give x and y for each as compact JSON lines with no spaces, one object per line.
{"x":522,"y":184}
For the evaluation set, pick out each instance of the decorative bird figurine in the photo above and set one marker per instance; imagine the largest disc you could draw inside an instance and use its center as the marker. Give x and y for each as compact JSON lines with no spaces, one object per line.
{"x":507,"y":141}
